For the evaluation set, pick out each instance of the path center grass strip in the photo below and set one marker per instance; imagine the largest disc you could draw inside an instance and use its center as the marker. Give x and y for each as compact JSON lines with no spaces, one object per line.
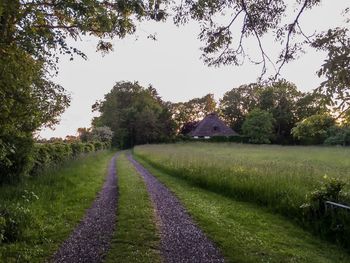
{"x":245,"y":232}
{"x":53,"y":203}
{"x":136,"y":238}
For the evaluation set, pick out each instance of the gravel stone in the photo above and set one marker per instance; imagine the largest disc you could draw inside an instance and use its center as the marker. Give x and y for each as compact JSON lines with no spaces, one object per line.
{"x":181,"y":238}
{"x":90,"y":240}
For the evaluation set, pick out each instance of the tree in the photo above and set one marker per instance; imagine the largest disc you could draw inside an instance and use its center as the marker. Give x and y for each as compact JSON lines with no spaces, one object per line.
{"x":224,"y":42}
{"x":28,"y":101}
{"x":192,"y":110}
{"x":258,"y":126}
{"x":102,"y":134}
{"x":336,"y":68}
{"x":339,"y":135}
{"x":135,"y":115}
{"x":32,"y":35}
{"x":310,"y":103}
{"x":281,"y":98}
{"x":238,"y":102}
{"x":314,"y":129}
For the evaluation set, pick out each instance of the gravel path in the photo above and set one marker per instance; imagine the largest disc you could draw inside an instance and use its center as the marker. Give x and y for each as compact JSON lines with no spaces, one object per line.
{"x":90,"y":240}
{"x":181,"y":239}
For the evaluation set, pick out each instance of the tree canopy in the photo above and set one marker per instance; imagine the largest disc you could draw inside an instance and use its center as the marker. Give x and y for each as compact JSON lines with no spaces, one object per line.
{"x":135,"y":114}
{"x":282,"y":99}
{"x":33,"y":33}
{"x":189,"y":112}
{"x":258,"y":126}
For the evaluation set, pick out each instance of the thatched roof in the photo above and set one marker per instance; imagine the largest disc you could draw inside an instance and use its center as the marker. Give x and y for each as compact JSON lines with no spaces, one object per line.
{"x":211,"y":125}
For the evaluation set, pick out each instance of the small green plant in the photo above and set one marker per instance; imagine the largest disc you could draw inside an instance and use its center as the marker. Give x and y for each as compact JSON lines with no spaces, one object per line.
{"x":331,"y":189}
{"x":15,"y":218}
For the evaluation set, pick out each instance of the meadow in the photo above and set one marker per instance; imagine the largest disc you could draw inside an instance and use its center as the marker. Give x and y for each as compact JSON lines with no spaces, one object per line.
{"x":288,"y":180}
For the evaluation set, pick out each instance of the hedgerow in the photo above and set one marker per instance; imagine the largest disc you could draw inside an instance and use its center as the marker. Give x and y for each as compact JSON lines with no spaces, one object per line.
{"x":48,"y":155}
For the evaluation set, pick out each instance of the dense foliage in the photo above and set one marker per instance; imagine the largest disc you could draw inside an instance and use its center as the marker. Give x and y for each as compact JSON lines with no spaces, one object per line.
{"x":32,"y":36}
{"x":282,"y":99}
{"x":314,"y":129}
{"x":136,"y":115}
{"x":50,"y":155}
{"x":258,"y":126}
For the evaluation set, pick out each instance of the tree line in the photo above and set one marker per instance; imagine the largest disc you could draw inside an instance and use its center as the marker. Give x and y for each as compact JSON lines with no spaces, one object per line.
{"x":268,"y":112}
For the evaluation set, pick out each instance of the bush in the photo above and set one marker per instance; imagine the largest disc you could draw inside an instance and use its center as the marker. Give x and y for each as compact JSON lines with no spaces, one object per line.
{"x":89,"y":147}
{"x":13,"y":221}
{"x":15,"y":157}
{"x":98,"y":146}
{"x":48,"y":155}
{"x":339,"y":136}
{"x":77,"y":148}
{"x":332,"y":223}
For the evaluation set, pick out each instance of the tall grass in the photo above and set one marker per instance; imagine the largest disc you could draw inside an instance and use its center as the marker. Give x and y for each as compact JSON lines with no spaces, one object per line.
{"x":41,"y":211}
{"x":276,"y":177}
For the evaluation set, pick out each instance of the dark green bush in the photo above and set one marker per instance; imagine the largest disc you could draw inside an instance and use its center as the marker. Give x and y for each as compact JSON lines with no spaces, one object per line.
{"x":42,"y":157}
{"x":77,"y":148}
{"x":98,"y":146}
{"x":13,"y":221}
{"x":15,"y":157}
{"x":339,"y":136}
{"x":332,"y":223}
{"x":89,"y":147}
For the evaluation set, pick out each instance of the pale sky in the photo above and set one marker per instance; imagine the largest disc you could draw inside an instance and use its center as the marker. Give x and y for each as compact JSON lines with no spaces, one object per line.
{"x":172,"y":65}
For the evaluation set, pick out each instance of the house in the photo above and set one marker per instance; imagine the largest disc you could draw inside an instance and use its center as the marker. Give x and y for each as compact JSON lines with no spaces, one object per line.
{"x":211,"y":126}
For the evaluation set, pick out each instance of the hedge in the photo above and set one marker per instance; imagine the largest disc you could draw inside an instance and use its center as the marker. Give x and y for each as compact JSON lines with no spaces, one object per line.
{"x":53,"y":154}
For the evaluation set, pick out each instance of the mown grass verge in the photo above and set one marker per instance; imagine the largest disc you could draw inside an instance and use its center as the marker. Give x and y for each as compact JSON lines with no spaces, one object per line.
{"x":47,"y":207}
{"x":291,"y":181}
{"x":245,"y":232}
{"x":136,"y":239}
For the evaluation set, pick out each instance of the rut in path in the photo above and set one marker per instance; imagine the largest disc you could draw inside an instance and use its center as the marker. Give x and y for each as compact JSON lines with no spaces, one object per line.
{"x":90,"y":240}
{"x":181,"y":238}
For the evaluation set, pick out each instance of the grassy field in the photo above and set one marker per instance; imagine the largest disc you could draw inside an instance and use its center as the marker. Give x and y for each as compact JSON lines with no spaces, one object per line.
{"x":247,"y":233}
{"x":275,"y":177}
{"x":49,"y":206}
{"x":136,"y":238}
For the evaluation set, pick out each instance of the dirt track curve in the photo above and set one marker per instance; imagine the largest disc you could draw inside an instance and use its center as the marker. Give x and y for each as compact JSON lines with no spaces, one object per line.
{"x":181,"y":238}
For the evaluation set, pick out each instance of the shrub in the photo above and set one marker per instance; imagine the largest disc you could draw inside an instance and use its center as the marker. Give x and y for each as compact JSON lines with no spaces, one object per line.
{"x":339,"y":136}
{"x":77,"y":148}
{"x":98,"y":146}
{"x":15,"y":157}
{"x":48,"y":155}
{"x":89,"y":147}
{"x":102,"y":134}
{"x":13,"y":221}
{"x":332,"y":223}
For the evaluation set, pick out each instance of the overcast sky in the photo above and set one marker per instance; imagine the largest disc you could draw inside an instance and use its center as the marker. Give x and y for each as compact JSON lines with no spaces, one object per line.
{"x":172,"y":65}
